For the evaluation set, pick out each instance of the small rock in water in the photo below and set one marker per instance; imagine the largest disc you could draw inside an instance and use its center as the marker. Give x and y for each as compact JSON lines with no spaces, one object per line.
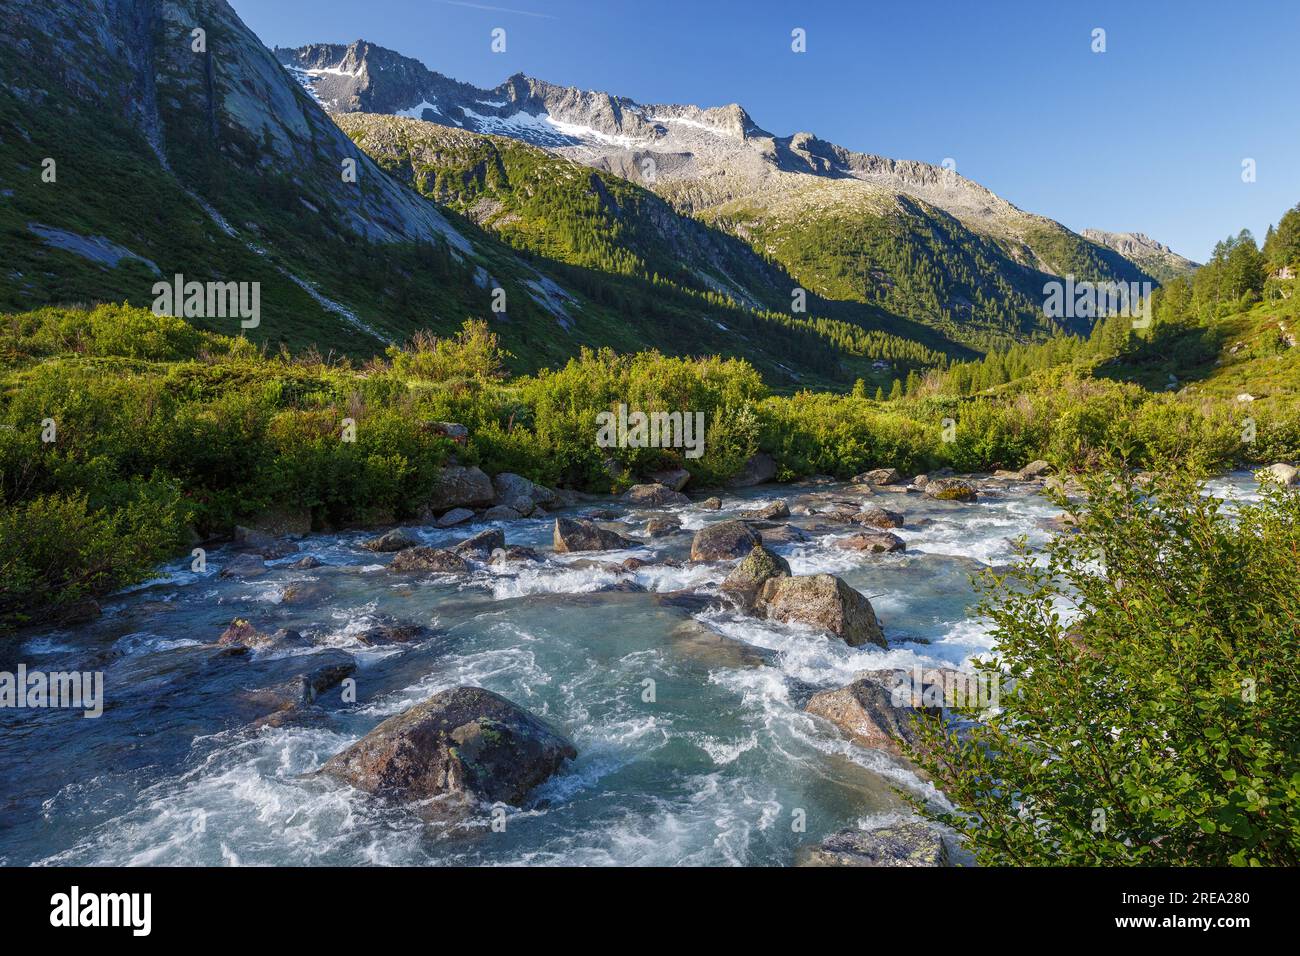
{"x":950,"y":489}
{"x":726,"y":539}
{"x":454,"y":517}
{"x":575,"y":535}
{"x":481,"y":545}
{"x":395,"y":540}
{"x":711,"y":504}
{"x":514,"y":553}
{"x":769,"y":512}
{"x":904,"y":844}
{"x":654,"y":496}
{"x":658,"y":527}
{"x":757,"y":567}
{"x":501,"y":513}
{"x":436,"y":560}
{"x":244,"y":566}
{"x":877,"y":542}
{"x":878,"y":476}
{"x":874,"y":517}
{"x":382,"y":634}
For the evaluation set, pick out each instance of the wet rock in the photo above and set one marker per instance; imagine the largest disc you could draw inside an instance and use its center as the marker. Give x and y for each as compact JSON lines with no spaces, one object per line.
{"x":1035,"y":469}
{"x":514,"y":553}
{"x":398,"y":539}
{"x":384,"y":634}
{"x":903,"y":844}
{"x":760,"y":468}
{"x":575,"y":535}
{"x":754,"y":569}
{"x":711,"y":504}
{"x":874,"y":517}
{"x":693,"y":640}
{"x":878,"y":476}
{"x":306,"y":563}
{"x":632,"y":565}
{"x":769,"y":512}
{"x":306,"y":592}
{"x":481,"y":545}
{"x":287,"y":701}
{"x":1002,"y":474}
{"x":876,"y":542}
{"x":674,"y":478}
{"x":259,"y":542}
{"x":502,"y":513}
{"x":460,"y":487}
{"x":726,"y":539}
{"x":432,"y":560}
{"x":785,"y":534}
{"x":454,"y":517}
{"x":824,"y":601}
{"x":241,"y":633}
{"x":517,"y":492}
{"x":600,"y":514}
{"x":244,"y":566}
{"x":654,"y":496}
{"x":460,"y":748}
{"x":1279,"y":474}
{"x":658,"y":527}
{"x":869,"y":713}
{"x":950,"y":489}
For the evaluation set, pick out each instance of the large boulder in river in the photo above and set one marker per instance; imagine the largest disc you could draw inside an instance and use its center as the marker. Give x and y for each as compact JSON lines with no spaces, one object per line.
{"x":431,"y":560}
{"x":724,"y":540}
{"x":869,"y":713}
{"x":459,"y":748}
{"x":1279,"y":474}
{"x":654,"y":496}
{"x":757,"y":567}
{"x":903,"y":844}
{"x":481,"y":545}
{"x":576,"y":535}
{"x":822,"y":600}
{"x":873,"y":516}
{"x":760,"y":468}
{"x":459,"y":486}
{"x":950,"y":489}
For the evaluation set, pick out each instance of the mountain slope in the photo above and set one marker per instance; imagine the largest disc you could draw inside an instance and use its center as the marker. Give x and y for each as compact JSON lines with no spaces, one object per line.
{"x":717,"y":164}
{"x":1154,"y":258}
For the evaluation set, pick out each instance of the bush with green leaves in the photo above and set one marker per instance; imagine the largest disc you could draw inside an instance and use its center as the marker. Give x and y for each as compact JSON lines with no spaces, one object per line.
{"x":1150,"y":704}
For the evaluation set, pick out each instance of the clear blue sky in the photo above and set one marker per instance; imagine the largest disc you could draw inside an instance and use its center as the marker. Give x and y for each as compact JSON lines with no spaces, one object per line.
{"x":1148,"y":136}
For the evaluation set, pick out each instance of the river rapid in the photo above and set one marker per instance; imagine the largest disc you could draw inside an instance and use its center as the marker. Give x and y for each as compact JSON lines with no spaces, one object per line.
{"x":714,"y":771}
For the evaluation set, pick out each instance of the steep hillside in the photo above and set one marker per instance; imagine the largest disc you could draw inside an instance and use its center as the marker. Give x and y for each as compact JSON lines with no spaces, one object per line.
{"x":1153,"y":258}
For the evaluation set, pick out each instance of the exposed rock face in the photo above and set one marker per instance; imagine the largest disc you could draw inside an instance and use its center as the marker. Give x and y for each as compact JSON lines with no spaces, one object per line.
{"x":769,"y":512}
{"x":461,"y":747}
{"x":433,"y":560}
{"x":675,"y":478}
{"x":868,"y":714}
{"x":1035,"y":469}
{"x":654,"y":496}
{"x":577,"y":535}
{"x":461,"y":487}
{"x":822,"y":600}
{"x":1280,"y":474}
{"x":877,"y":542}
{"x":726,"y":539}
{"x":757,"y":567}
{"x":481,"y":545}
{"x":395,"y":540}
{"x":874,"y":517}
{"x":758,"y":469}
{"x":658,"y":527}
{"x":903,"y":844}
{"x":454,"y":517}
{"x":524,"y":496}
{"x":879,"y":476}
{"x":950,"y":489}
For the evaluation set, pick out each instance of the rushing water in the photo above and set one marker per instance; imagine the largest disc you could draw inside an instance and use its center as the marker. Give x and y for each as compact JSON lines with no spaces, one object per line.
{"x":177,"y":771}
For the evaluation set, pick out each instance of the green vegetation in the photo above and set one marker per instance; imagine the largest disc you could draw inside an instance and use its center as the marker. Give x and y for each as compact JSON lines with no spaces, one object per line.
{"x":1162,"y":726}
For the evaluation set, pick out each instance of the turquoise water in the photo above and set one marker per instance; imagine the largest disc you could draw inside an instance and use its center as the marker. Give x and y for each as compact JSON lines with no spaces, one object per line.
{"x":716,"y":770}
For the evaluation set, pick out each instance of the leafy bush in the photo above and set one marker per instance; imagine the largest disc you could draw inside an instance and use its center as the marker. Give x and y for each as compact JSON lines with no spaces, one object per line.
{"x":1161,"y":725}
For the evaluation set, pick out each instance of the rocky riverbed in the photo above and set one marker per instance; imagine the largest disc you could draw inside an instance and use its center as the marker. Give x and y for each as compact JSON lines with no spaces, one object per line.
{"x":658,"y":679}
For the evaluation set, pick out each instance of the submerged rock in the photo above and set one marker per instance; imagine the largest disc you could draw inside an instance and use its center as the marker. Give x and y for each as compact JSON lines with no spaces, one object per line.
{"x":903,"y":844}
{"x":576,"y":535}
{"x":259,"y":542}
{"x":241,"y":633}
{"x":244,"y":566}
{"x":824,"y":601}
{"x":383,"y":634}
{"x":436,"y":560}
{"x":460,"y":747}
{"x":726,"y":539}
{"x":514,"y":553}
